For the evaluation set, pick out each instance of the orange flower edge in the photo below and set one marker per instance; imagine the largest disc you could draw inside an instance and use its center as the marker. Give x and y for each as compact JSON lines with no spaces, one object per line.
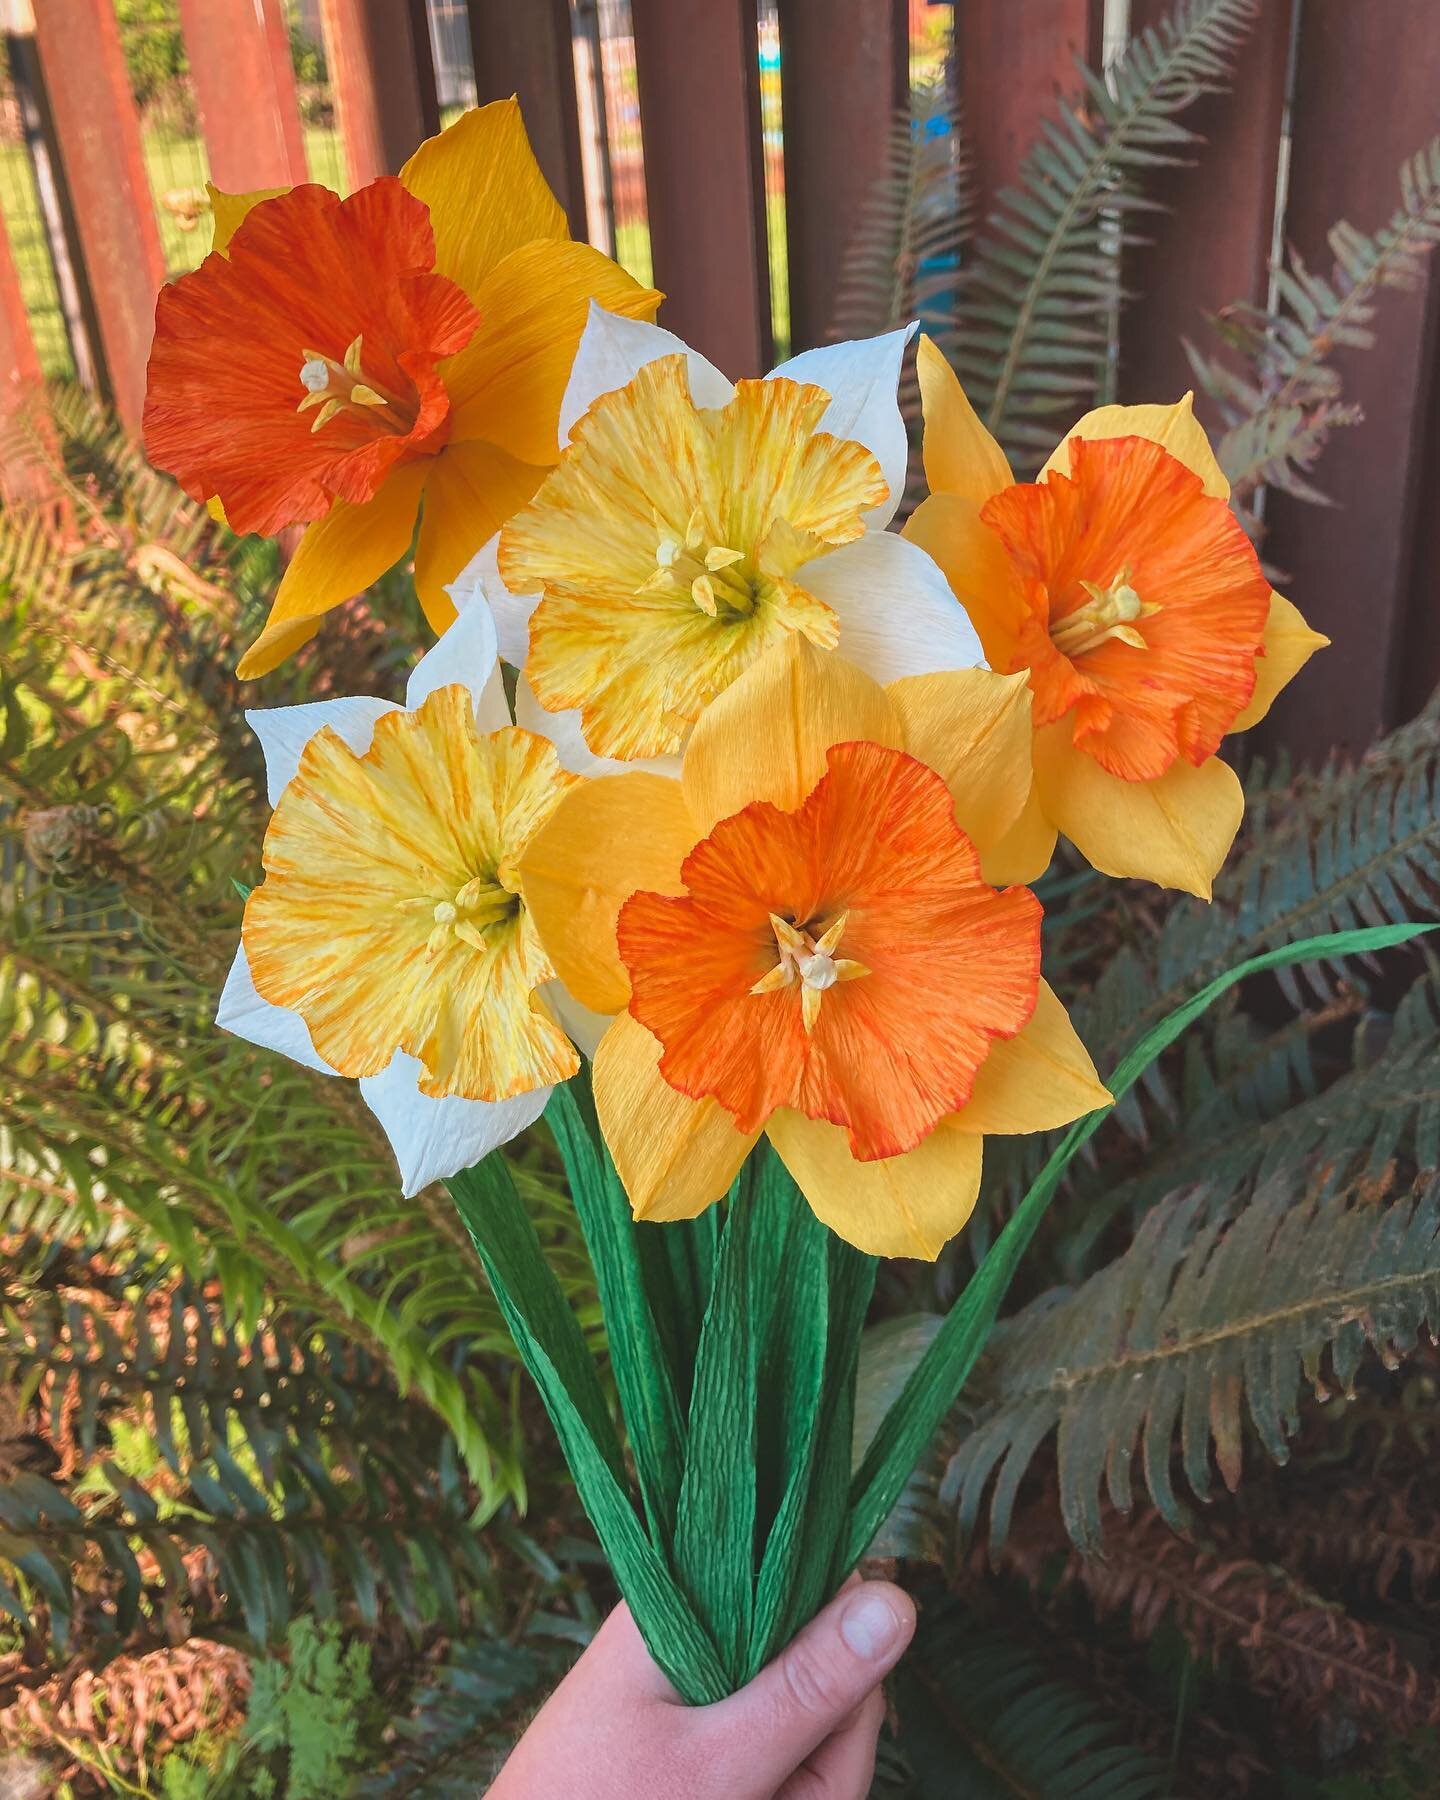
{"x":300,"y":367}
{"x":1138,"y":605}
{"x":844,"y":959}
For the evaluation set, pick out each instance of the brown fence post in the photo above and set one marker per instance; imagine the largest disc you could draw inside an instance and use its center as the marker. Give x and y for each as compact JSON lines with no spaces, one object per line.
{"x":845,"y":72}
{"x":527,"y":51}
{"x":104,"y":168}
{"x":697,"y":64}
{"x":239,"y":53}
{"x":1364,"y":102}
{"x":383,"y":76}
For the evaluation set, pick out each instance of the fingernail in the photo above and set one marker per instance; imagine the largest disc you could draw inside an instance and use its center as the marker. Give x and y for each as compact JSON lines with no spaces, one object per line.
{"x":869,"y":1626}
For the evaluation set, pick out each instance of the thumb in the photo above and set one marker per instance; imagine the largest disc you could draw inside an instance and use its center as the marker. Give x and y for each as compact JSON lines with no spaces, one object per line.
{"x":815,"y":1683}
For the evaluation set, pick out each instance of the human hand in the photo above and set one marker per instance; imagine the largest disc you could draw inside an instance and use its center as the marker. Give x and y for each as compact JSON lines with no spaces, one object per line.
{"x":804,"y":1729}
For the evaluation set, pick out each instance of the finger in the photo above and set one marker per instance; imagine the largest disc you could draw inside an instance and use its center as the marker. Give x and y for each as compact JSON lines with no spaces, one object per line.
{"x":813,"y":1686}
{"x":616,"y":1661}
{"x":844,"y":1765}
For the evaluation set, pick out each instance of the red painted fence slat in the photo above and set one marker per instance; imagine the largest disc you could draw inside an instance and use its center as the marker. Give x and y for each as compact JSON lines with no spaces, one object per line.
{"x":239,"y":54}
{"x":526,"y":51}
{"x":382,"y":74}
{"x":22,"y":475}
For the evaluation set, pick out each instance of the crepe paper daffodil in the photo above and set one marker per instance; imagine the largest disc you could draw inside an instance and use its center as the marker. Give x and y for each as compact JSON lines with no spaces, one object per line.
{"x":389,"y":941}
{"x":351,"y":364}
{"x":796,"y":936}
{"x":1124,"y":587}
{"x":693,"y":523}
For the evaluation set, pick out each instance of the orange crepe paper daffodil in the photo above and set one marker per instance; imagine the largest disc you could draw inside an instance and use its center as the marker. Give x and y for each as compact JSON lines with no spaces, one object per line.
{"x":1125,"y":590}
{"x":352,"y":364}
{"x":798,"y":936}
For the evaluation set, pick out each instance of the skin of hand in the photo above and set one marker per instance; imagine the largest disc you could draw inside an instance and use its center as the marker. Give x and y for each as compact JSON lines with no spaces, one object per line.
{"x":804,"y":1729}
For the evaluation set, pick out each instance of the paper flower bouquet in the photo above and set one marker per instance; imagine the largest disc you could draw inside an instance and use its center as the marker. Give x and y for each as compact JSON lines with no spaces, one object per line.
{"x":705,"y":826}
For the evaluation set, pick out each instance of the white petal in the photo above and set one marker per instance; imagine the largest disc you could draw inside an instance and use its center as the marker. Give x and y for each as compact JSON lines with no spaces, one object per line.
{"x":284,"y":731}
{"x":862,"y":378}
{"x":896,"y":611}
{"x":466,"y":655}
{"x":585,"y":1027}
{"x":563,"y":731}
{"x":244,"y":1012}
{"x":613,"y":350}
{"x":435,"y":1138}
{"x":511,"y":612}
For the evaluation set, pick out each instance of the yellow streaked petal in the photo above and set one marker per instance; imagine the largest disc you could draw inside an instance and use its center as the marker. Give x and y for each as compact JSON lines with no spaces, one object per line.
{"x":338,"y":557}
{"x":1024,"y":853}
{"x":605,"y":841}
{"x":507,"y":383}
{"x":1175,"y":830}
{"x":766,"y":736}
{"x":977,"y":566}
{"x":675,"y":1155}
{"x":485,"y":192}
{"x":1289,"y":645}
{"x":472,"y":490}
{"x":1174,"y":427}
{"x":1041,"y":1078}
{"x":910,"y":1205}
{"x":230,"y":210}
{"x":974,"y":729}
{"x":961,"y":457}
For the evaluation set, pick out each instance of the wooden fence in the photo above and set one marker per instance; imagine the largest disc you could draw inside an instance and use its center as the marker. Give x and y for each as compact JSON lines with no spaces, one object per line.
{"x":1349,"y":89}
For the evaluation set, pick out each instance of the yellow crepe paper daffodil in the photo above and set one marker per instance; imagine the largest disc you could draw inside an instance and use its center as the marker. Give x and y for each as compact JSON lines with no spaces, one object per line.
{"x":1124,"y":589}
{"x":352,"y":364}
{"x":798,"y":936}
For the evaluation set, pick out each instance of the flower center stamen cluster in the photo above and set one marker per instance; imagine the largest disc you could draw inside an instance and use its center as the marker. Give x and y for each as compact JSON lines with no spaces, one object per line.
{"x":333,"y":386}
{"x":1110,"y":612}
{"x":482,"y":903}
{"x":809,"y":961}
{"x":710,"y":571}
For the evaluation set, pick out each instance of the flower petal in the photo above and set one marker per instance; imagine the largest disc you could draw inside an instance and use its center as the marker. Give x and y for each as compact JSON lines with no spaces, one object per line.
{"x":435,"y":1138}
{"x":975,"y":563}
{"x":974,"y":729}
{"x":229,"y":210}
{"x":1025,"y":851}
{"x":473,"y":489}
{"x":1289,"y":644}
{"x":613,"y":350}
{"x":909,"y":1205}
{"x":896,"y":611}
{"x":604,"y":841}
{"x":862,"y":378}
{"x":485,"y":192}
{"x":565,"y":731}
{"x":676,"y":1156}
{"x":284,"y":731}
{"x":508,"y":382}
{"x":246,"y":1015}
{"x":481,"y":575}
{"x":1174,"y":830}
{"x":338,"y":557}
{"x":465,"y":655}
{"x":1175,"y":428}
{"x":961,"y":457}
{"x":766,"y":736}
{"x":1041,"y":1078}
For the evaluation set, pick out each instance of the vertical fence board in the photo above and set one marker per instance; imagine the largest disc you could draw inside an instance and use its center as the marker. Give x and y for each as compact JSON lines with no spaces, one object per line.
{"x":22,"y":476}
{"x":383,"y":76}
{"x":1212,"y":244}
{"x":1364,"y":101}
{"x":98,"y":132}
{"x":239,"y":54}
{"x":1419,"y":666}
{"x":526,"y":50}
{"x":845,"y":71}
{"x":696,"y":63}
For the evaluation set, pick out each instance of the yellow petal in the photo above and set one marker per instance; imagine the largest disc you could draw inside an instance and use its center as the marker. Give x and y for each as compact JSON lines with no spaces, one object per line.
{"x":1289,"y":645}
{"x":960,"y":455}
{"x":675,"y":1155}
{"x":766,"y":736}
{"x":229,"y":210}
{"x":1024,"y":853}
{"x":974,"y":729}
{"x":605,"y":841}
{"x":977,"y":566}
{"x":485,"y":192}
{"x":507,"y":383}
{"x":338,"y":557}
{"x":909,"y":1205}
{"x":473,"y":489}
{"x":1174,"y":830}
{"x":1041,"y":1078}
{"x":1175,"y":427}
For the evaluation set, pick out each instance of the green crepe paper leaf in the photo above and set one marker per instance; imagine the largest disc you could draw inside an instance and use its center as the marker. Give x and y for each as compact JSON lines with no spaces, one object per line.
{"x":678,"y":1259}
{"x":642,"y":1369}
{"x":943,"y":1370}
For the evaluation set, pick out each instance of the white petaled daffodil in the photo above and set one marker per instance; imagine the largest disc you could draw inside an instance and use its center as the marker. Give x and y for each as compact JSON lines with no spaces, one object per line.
{"x":388,"y":941}
{"x":693,"y":523}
